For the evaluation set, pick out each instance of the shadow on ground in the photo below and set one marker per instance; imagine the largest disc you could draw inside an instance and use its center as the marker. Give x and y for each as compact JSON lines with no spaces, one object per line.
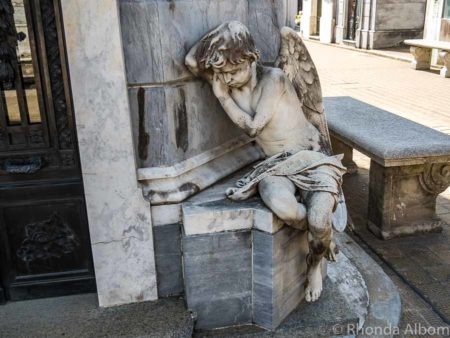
{"x":421,"y":261}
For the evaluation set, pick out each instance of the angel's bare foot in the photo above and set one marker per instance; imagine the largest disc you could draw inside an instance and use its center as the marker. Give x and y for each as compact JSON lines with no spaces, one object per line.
{"x":314,"y":288}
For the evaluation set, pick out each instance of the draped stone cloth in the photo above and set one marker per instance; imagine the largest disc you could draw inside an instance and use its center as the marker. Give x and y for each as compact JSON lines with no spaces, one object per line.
{"x":310,"y":171}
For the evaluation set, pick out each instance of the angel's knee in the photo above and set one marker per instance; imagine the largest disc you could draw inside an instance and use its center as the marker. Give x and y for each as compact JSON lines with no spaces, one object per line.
{"x":319,"y":217}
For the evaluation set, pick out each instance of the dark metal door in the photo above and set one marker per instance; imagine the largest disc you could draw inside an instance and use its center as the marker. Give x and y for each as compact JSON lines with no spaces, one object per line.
{"x":44,"y":239}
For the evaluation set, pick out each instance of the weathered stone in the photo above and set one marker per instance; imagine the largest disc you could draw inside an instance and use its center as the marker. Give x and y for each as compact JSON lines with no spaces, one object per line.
{"x":217,"y":271}
{"x":421,"y":49}
{"x":168,"y":259}
{"x":175,"y":123}
{"x":279,"y":273}
{"x":341,"y":148}
{"x":422,"y":58}
{"x":407,"y":171}
{"x":402,"y":200}
{"x":282,"y":109}
{"x":375,"y":133}
{"x":119,"y":218}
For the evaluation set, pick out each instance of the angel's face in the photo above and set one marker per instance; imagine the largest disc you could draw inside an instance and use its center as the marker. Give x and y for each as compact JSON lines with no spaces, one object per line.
{"x":235,"y":76}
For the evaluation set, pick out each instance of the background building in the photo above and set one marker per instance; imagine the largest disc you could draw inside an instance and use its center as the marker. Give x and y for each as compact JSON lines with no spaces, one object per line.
{"x":367,"y":24}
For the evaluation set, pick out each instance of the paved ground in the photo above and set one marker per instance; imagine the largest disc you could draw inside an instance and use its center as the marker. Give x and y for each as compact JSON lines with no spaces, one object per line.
{"x":419,"y":265}
{"x":80,"y":317}
{"x":422,"y":96}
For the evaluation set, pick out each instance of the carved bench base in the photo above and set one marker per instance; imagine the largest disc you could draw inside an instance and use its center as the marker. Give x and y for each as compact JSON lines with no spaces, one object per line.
{"x":422,"y":58}
{"x":402,"y":200}
{"x":341,"y":148}
{"x":445,"y":71}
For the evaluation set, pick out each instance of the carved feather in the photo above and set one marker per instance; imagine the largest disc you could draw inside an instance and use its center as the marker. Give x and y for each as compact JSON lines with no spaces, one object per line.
{"x":296,"y":63}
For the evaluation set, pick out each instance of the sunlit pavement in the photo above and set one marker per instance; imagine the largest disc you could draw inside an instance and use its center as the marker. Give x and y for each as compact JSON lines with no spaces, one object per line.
{"x":419,"y":265}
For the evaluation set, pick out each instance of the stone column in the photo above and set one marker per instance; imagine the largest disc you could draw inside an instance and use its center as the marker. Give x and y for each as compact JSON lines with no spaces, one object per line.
{"x":445,"y":71}
{"x":341,"y":20}
{"x":309,"y":18}
{"x":327,"y":21}
{"x":432,"y":26}
{"x":422,"y":58}
{"x":119,"y":217}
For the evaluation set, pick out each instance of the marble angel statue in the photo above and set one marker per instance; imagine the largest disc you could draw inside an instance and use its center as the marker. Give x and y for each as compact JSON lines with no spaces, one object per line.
{"x":300,"y":180}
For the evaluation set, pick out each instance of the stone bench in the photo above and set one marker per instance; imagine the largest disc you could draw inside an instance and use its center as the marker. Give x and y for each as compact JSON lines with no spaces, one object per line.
{"x":410,"y":164}
{"x":421,"y":50}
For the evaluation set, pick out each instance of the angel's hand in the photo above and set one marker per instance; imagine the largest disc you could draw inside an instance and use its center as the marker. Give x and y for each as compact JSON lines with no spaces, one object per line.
{"x":220,"y":89}
{"x":230,"y":191}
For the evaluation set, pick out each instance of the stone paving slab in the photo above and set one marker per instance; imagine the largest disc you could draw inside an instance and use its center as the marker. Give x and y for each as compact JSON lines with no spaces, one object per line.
{"x":79,"y":316}
{"x":421,"y":96}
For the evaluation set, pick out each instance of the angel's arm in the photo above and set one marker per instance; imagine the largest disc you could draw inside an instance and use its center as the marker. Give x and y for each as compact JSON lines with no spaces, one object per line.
{"x":191,"y":59}
{"x":191,"y":63}
{"x":265,"y":109}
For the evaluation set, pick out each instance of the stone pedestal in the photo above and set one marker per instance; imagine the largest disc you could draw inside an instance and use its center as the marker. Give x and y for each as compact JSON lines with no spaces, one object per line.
{"x":422,"y":58}
{"x":241,"y":265}
{"x":342,"y":148}
{"x":402,"y":200}
{"x":445,"y":71}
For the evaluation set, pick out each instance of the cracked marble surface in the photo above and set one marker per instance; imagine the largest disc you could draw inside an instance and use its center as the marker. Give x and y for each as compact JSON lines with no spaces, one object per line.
{"x":119,"y":217}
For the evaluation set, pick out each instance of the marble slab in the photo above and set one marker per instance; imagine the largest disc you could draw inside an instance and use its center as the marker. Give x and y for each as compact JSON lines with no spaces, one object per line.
{"x":279,"y":274}
{"x":217,"y":271}
{"x":119,"y":217}
{"x":168,"y":259}
{"x":211,"y":211}
{"x":175,"y":123}
{"x":374,"y":132}
{"x":165,"y":190}
{"x":157,"y":34}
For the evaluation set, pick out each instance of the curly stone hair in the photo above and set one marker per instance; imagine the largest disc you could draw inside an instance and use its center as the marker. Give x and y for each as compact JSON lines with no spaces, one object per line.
{"x":231,"y":42}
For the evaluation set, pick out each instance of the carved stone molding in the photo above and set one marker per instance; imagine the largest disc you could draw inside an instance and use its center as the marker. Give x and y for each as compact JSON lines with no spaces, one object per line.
{"x":435,"y":177}
{"x":165,"y":185}
{"x":422,"y":58}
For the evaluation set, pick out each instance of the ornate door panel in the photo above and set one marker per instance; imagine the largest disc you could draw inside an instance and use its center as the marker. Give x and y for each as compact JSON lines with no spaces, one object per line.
{"x":44,"y":239}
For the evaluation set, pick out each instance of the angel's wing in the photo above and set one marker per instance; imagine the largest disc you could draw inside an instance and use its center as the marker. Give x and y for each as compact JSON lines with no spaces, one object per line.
{"x":296,"y":63}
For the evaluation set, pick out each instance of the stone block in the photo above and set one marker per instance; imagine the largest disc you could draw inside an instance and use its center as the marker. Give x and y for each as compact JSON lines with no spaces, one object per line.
{"x":279,"y":273}
{"x":168,"y":259}
{"x":241,"y":277}
{"x":218,"y":278}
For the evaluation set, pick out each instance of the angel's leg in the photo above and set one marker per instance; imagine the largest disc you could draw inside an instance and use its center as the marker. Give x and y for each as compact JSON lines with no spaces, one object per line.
{"x":278,"y":193}
{"x":320,"y":209}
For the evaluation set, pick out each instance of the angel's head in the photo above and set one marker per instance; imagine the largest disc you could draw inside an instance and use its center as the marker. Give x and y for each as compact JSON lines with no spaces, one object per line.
{"x":230,"y":52}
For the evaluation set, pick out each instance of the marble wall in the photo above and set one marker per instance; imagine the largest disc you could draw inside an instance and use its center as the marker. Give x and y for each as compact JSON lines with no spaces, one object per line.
{"x":176,"y":117}
{"x":387,"y":23}
{"x":119,"y":217}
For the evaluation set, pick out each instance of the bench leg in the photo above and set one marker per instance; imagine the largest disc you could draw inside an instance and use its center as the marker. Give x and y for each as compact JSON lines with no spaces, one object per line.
{"x":402,"y":200}
{"x":341,"y":148}
{"x":445,"y":71}
{"x":422,"y":58}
